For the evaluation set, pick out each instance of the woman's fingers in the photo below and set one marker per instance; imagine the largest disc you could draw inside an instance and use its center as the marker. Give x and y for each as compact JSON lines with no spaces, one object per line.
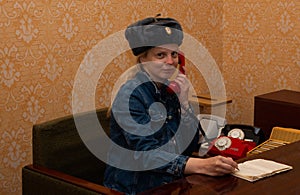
{"x":222,"y":165}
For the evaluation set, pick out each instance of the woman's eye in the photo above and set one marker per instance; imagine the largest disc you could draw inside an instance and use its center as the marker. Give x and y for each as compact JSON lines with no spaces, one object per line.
{"x":160,"y":55}
{"x":174,"y":54}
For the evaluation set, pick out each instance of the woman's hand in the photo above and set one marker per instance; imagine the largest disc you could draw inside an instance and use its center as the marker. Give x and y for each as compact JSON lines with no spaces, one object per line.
{"x":213,"y":166}
{"x":184,"y":85}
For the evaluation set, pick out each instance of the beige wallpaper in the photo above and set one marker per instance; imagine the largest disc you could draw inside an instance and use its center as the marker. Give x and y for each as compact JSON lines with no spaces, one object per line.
{"x":256,"y":45}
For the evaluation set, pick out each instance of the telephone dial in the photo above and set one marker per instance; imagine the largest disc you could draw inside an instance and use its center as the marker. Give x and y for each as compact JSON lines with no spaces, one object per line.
{"x":173,"y":86}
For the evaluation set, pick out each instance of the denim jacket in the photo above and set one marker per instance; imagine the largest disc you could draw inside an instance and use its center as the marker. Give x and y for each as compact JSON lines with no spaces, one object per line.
{"x":144,"y":118}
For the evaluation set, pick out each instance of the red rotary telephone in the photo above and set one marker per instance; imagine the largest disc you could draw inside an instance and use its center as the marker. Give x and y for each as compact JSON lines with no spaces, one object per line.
{"x":173,"y":86}
{"x":231,"y":147}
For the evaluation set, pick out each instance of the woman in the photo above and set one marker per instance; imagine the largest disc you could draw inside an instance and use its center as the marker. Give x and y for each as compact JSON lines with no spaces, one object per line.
{"x":154,"y":125}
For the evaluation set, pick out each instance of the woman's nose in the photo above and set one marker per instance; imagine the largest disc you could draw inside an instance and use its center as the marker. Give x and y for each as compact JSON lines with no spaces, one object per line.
{"x":170,"y":60}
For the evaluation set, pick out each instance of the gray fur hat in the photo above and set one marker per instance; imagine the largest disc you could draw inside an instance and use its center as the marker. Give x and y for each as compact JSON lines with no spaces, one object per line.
{"x":151,"y":32}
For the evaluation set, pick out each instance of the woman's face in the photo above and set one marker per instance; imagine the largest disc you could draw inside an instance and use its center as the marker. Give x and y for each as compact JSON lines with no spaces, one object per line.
{"x":161,"y":62}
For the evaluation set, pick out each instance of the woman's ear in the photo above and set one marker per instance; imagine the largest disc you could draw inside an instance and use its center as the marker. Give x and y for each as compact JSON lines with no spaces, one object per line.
{"x":142,"y":58}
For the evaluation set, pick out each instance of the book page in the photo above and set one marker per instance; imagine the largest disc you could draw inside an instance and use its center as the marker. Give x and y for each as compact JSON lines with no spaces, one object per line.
{"x":253,"y":170}
{"x":268,"y":165}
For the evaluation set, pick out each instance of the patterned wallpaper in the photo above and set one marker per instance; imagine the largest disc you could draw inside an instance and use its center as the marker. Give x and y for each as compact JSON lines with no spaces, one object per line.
{"x":256,"y":45}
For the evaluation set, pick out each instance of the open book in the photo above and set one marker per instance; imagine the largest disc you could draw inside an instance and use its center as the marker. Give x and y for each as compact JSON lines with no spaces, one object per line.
{"x":256,"y":169}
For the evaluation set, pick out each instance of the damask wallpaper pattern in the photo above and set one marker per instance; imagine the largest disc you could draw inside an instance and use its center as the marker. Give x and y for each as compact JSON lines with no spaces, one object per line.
{"x":256,"y":45}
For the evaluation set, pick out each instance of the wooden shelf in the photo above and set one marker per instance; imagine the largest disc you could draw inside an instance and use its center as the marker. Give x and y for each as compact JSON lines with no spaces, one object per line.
{"x":205,"y":100}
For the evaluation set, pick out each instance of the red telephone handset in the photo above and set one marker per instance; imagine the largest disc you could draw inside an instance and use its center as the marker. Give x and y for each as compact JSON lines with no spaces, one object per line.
{"x":173,"y":86}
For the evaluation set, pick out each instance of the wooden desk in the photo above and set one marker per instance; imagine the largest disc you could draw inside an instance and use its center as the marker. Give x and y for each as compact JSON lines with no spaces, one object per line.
{"x":283,"y":183}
